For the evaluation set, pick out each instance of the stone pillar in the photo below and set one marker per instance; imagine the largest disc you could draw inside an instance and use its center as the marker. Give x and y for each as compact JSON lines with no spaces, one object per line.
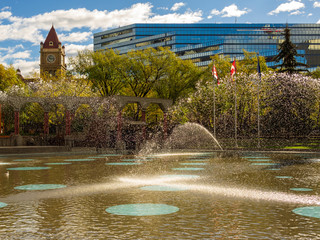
{"x":46,"y":123}
{"x":144,"y":128}
{"x":16,"y":122}
{"x":119,"y":128}
{"x":68,"y":123}
{"x":165,"y":126}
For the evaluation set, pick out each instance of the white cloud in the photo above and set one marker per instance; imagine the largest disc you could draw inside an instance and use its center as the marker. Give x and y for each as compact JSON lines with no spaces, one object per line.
{"x":290,"y":6}
{"x":297,"y":13}
{"x":310,"y":14}
{"x":73,"y":49}
{"x":230,"y":11}
{"x":316,"y":4}
{"x":27,"y":67}
{"x":177,"y":6}
{"x":30,"y":29}
{"x":5,"y":8}
{"x":215,"y":12}
{"x":18,"y":55}
{"x":75,"y":37}
{"x":5,"y":14}
{"x":187,"y":17}
{"x":163,"y":8}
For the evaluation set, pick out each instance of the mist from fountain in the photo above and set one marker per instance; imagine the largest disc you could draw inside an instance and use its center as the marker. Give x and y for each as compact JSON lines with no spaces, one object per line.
{"x":188,"y":136}
{"x":191,"y":136}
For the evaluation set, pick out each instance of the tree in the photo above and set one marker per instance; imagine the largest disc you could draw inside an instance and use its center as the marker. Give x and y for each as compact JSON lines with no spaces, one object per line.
{"x":248,"y":65}
{"x":288,"y":53}
{"x":179,"y":81}
{"x":8,"y":78}
{"x":143,"y":68}
{"x":101,"y":68}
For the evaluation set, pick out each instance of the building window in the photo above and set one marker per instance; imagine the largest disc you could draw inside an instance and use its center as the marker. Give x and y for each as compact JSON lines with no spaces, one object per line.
{"x":50,"y":43}
{"x":116,"y":34}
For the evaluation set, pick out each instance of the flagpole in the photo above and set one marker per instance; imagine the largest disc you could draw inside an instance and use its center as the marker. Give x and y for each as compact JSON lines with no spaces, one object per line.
{"x":259,"y":82}
{"x":235,"y":114}
{"x":214,"y":105}
{"x":214,"y":109}
{"x":235,"y":107}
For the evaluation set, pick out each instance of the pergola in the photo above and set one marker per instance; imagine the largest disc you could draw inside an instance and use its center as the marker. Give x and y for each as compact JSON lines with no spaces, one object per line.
{"x":71,"y":104}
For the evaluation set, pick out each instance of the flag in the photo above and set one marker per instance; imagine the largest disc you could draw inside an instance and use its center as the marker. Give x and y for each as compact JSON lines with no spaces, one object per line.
{"x":233,"y":69}
{"x":258,"y":67}
{"x":215,"y":74}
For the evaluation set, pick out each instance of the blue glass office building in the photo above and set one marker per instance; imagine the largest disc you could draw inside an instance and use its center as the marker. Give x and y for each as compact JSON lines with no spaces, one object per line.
{"x":199,"y":41}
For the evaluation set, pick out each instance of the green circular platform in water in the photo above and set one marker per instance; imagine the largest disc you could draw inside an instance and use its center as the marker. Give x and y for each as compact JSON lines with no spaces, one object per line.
{"x":124,"y":163}
{"x":284,"y":177}
{"x":312,"y":211}
{"x":263,"y":164}
{"x":301,"y":189}
{"x":40,"y":187}
{"x":23,"y":160}
{"x":259,"y":160}
{"x":28,"y":168}
{"x":4,"y":163}
{"x":196,"y":163}
{"x":187,"y":169}
{"x":144,"y":209}
{"x":254,"y":157}
{"x":163,"y":188}
{"x":2,"y":204}
{"x":58,"y":163}
{"x":180,"y":176}
{"x":80,"y":160}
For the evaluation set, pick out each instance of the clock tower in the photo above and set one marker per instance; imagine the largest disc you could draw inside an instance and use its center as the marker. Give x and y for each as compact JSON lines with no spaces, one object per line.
{"x":52,"y":55}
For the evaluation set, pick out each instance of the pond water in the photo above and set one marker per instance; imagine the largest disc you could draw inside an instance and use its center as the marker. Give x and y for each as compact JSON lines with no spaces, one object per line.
{"x":246,"y":195}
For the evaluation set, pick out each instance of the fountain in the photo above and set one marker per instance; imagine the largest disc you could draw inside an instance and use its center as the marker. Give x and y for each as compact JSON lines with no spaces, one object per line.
{"x":191,"y":136}
{"x":188,"y":136}
{"x":186,"y":188}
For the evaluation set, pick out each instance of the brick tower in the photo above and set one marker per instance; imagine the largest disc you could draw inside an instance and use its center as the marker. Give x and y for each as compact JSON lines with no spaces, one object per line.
{"x":52,"y":55}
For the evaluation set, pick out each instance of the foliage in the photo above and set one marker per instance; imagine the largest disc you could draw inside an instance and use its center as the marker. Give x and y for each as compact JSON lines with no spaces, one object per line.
{"x":8,"y":78}
{"x":180,"y":79}
{"x":289,"y":105}
{"x":101,"y":69}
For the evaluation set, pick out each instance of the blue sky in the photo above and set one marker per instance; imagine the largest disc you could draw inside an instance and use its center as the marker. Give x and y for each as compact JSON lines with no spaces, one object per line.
{"x":25,"y":23}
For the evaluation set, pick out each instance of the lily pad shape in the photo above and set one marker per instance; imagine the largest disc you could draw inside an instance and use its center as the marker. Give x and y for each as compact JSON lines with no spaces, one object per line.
{"x":144,"y":209}
{"x":28,"y":168}
{"x":40,"y":186}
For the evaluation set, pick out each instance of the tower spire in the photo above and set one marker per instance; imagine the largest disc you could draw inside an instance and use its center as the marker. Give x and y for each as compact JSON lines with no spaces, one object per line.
{"x":52,"y":40}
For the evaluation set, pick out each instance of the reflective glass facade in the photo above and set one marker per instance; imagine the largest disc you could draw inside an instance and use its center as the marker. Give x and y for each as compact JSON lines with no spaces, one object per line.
{"x":200,"y":41}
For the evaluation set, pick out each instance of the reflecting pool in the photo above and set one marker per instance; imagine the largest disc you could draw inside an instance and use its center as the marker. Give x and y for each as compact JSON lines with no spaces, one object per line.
{"x":212,"y":195}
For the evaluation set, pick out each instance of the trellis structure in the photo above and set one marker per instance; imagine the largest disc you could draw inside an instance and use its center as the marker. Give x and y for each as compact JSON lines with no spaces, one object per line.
{"x":71,"y":104}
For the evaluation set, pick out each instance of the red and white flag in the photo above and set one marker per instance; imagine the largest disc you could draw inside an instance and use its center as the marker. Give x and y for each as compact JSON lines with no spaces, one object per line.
{"x":233,"y":69}
{"x":215,"y":74}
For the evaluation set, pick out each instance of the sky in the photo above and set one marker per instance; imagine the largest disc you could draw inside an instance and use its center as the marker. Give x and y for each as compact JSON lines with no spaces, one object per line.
{"x":25,"y":23}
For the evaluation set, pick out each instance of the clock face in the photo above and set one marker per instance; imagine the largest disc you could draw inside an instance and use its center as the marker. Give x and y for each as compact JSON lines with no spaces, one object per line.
{"x":51,"y":58}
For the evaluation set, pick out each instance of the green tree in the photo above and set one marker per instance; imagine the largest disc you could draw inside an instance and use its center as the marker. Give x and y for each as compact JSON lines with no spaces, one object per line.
{"x":288,"y":53}
{"x":315,"y":74}
{"x":101,"y":68}
{"x":8,"y":78}
{"x":180,"y":79}
{"x":248,"y":65}
{"x":143,"y":68}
